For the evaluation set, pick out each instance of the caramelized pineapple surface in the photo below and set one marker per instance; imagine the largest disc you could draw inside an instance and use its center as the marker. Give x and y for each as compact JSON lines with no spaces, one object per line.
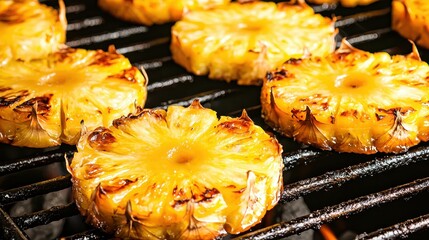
{"x":409,"y":18}
{"x":44,"y":102}
{"x":350,"y":101}
{"x":242,"y":41}
{"x":30,"y":30}
{"x":177,"y":174}
{"x":149,"y":12}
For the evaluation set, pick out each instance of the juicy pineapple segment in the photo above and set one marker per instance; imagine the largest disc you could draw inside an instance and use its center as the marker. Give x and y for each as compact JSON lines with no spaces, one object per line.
{"x":242,"y":41}
{"x":149,"y":12}
{"x":30,"y":30}
{"x":409,"y":18}
{"x":177,"y":174}
{"x":350,"y":101}
{"x":43,"y":102}
{"x":345,"y":3}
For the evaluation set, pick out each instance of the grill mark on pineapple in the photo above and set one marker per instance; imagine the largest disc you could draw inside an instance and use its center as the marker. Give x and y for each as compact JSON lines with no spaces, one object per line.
{"x":14,"y":14}
{"x":102,"y":58}
{"x":294,"y":61}
{"x":101,"y":138}
{"x":236,"y":125}
{"x":64,"y":54}
{"x":128,"y":75}
{"x":42,"y":103}
{"x":12,"y":97}
{"x":93,"y":171}
{"x":180,"y":197}
{"x":117,"y":186}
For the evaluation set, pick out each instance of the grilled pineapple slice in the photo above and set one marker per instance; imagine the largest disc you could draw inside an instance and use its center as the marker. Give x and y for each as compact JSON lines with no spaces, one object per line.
{"x":409,"y":18}
{"x":30,"y":30}
{"x":43,"y":102}
{"x":176,"y":174}
{"x":350,"y":101}
{"x":149,"y":12}
{"x":345,"y":3}
{"x":242,"y":41}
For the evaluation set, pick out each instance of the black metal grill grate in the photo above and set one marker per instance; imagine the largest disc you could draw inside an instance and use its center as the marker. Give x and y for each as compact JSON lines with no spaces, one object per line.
{"x":326,"y":177}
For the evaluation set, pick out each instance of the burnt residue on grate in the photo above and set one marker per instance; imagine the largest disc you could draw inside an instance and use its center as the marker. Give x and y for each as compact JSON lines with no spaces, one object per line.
{"x":308,"y":172}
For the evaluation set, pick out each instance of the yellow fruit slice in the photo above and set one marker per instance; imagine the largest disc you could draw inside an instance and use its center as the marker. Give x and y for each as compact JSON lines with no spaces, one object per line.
{"x":350,"y":101}
{"x":345,"y":3}
{"x":150,"y":12}
{"x":30,"y":30}
{"x":177,"y":174}
{"x":43,"y":102}
{"x":242,"y":41}
{"x":409,"y":18}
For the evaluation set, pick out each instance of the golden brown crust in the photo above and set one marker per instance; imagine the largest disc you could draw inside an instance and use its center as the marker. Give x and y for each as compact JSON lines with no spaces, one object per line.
{"x":154,"y":174}
{"x":263,"y":36}
{"x":409,"y":18}
{"x":30,"y":30}
{"x":350,"y":101}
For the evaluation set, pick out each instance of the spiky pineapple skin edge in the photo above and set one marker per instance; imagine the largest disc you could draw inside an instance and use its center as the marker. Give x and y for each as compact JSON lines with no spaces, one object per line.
{"x":148,"y":13}
{"x":392,"y":126}
{"x":410,"y":21}
{"x":234,"y":174}
{"x":255,"y":43}
{"x":18,"y":19}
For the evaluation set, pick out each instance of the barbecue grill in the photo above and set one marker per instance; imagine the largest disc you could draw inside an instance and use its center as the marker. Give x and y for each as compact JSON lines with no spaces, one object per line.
{"x":378,"y":197}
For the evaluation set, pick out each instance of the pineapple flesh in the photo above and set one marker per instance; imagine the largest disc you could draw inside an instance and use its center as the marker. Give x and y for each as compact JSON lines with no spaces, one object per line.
{"x":242,"y":41}
{"x":30,"y":30}
{"x":350,"y":101}
{"x":176,"y":174}
{"x":409,"y":18}
{"x":345,"y":3}
{"x":44,"y":102}
{"x":149,"y":12}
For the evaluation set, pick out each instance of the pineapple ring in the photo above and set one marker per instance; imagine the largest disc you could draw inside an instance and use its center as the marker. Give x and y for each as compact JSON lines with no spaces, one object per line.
{"x":350,"y":101}
{"x":43,"y":102}
{"x":345,"y":3}
{"x":242,"y":41}
{"x":30,"y":30}
{"x":409,"y":18}
{"x":176,"y":174}
{"x":149,"y":12}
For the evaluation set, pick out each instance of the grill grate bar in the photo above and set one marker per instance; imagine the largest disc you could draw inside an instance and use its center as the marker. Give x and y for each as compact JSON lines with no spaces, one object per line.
{"x":25,"y":192}
{"x":302,"y":157}
{"x":45,"y":216}
{"x":361,"y":17}
{"x":367,"y":36}
{"x":32,"y":162}
{"x":170,"y":82}
{"x":9,"y":228}
{"x":400,"y":230}
{"x":338,"y":177}
{"x":143,"y":46}
{"x":107,"y":36}
{"x":203,"y":97}
{"x":153,"y":63}
{"x":328,"y":214}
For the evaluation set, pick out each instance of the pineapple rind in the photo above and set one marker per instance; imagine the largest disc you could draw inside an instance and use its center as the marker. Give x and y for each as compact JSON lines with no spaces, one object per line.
{"x":30,"y":30}
{"x":149,"y":12}
{"x":350,"y":101}
{"x":160,"y":174}
{"x":243,"y":41}
{"x":46,"y":101}
{"x":409,"y":20}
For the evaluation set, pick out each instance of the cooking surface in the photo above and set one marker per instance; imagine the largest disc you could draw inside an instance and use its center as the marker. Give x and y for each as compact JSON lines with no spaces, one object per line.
{"x":148,"y":47}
